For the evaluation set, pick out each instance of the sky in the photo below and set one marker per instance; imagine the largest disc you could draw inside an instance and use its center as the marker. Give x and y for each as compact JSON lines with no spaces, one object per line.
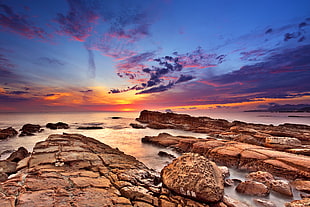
{"x":130,"y":55}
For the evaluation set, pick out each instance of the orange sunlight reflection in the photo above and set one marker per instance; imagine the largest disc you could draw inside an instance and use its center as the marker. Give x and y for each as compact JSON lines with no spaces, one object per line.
{"x":244,"y":105}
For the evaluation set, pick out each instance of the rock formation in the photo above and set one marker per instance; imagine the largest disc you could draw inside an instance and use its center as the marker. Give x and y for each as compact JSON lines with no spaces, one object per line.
{"x":30,"y":129}
{"x":288,"y":137}
{"x":58,"y":125}
{"x":194,"y":176}
{"x":137,"y":126}
{"x":239,"y":155}
{"x":8,"y":132}
{"x":74,"y":170}
{"x":18,"y":155}
{"x":253,"y":188}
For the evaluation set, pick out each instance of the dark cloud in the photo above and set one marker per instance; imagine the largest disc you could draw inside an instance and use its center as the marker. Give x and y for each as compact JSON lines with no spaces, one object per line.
{"x":50,"y":94}
{"x":115,"y":91}
{"x":297,"y":34}
{"x":12,"y":99}
{"x":50,"y":61}
{"x":17,"y":92}
{"x":157,"y":89}
{"x":268,"y":31}
{"x":130,"y":66}
{"x":6,"y":68}
{"x":19,"y":24}
{"x":282,"y":75}
{"x":91,"y":64}
{"x":162,"y":73}
{"x":200,"y":58}
{"x":184,"y":78}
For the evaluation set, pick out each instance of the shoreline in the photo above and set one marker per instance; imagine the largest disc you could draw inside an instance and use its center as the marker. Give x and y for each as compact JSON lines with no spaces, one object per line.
{"x":217,"y":136}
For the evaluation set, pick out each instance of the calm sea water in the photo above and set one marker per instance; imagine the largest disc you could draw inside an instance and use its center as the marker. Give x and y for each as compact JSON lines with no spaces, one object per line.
{"x":118,"y":134}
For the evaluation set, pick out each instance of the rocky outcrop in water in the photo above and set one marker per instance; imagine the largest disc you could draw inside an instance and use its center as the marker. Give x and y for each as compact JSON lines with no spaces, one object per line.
{"x":8,"y":132}
{"x":74,"y":170}
{"x":58,"y":125}
{"x":288,"y":137}
{"x":239,"y":155}
{"x":30,"y":129}
{"x":137,"y":126}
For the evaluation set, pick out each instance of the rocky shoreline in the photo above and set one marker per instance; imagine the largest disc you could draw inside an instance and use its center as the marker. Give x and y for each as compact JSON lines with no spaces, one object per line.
{"x":75,"y":170}
{"x":277,"y":151}
{"x":293,"y":138}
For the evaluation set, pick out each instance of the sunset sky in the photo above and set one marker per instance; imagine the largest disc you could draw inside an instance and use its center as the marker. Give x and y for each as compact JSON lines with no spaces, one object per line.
{"x":129,"y":55}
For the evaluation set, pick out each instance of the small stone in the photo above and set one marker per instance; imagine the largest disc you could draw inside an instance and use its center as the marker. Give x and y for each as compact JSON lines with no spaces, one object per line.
{"x":233,"y":202}
{"x":282,"y":187}
{"x":229,"y":182}
{"x":299,"y":203}
{"x":253,"y":188}
{"x":225,"y":171}
{"x":260,"y":176}
{"x":137,"y":126}
{"x":264,"y":203}
{"x":302,"y":185}
{"x":3,"y":176}
{"x":166,"y":154}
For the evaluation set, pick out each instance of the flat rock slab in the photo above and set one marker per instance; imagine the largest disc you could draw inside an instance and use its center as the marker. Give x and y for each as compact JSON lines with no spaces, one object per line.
{"x":239,"y":155}
{"x":288,"y":137}
{"x":74,"y":170}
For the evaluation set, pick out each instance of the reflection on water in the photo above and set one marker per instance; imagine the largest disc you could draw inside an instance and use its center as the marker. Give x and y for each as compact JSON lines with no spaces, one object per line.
{"x":118,"y":134}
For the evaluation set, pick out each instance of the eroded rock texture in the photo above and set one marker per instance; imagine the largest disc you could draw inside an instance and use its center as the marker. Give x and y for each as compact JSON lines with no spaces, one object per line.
{"x":239,"y":155}
{"x":293,"y":138}
{"x":74,"y":170}
{"x":194,"y":176}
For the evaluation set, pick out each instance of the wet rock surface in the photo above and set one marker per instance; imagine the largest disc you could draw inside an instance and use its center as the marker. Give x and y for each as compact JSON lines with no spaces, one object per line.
{"x":294,"y":138}
{"x":239,"y":155}
{"x":74,"y":170}
{"x":8,"y":132}
{"x":137,"y":126}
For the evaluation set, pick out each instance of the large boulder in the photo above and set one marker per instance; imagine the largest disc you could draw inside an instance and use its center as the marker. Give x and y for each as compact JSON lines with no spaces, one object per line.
{"x":58,"y":125}
{"x":194,"y":176}
{"x":8,"y":132}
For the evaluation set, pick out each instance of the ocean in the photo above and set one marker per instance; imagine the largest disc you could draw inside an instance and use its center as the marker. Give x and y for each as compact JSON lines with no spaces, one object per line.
{"x":117,"y":132}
